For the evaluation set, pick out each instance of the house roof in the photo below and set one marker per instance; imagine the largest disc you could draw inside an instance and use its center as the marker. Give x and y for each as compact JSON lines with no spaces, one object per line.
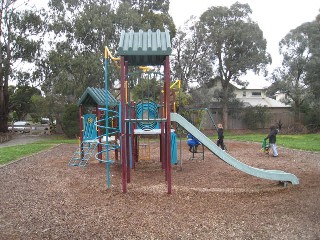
{"x":97,"y":96}
{"x":144,"y":48}
{"x":265,"y":101}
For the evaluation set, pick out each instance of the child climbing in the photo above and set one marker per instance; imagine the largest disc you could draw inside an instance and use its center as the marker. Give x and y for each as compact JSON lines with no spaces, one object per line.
{"x":220,"y":142}
{"x":272,"y":136}
{"x":193,"y":143}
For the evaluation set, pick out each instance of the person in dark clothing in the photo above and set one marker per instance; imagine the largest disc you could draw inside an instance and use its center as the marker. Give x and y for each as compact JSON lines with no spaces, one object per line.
{"x":220,"y":142}
{"x":272,"y":136}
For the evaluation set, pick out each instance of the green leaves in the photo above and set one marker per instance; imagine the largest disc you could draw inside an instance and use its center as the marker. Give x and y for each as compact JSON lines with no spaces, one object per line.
{"x":237,"y":43}
{"x":21,"y":100}
{"x":235,"y":46}
{"x":298,"y":77}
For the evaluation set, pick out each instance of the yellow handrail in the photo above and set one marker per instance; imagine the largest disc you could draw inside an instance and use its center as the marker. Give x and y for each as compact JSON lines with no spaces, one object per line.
{"x":175,"y":83}
{"x":145,"y":68}
{"x":107,"y":54}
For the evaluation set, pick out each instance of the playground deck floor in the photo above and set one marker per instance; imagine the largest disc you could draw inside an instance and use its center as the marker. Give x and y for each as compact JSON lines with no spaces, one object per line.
{"x":43,"y":198}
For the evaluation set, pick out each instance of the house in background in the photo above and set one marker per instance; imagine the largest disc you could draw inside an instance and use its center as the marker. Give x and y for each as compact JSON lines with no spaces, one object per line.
{"x":250,"y":97}
{"x":257,"y":97}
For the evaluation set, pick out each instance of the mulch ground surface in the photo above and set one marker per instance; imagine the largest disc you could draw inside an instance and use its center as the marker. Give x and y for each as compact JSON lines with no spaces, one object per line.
{"x":43,"y":198}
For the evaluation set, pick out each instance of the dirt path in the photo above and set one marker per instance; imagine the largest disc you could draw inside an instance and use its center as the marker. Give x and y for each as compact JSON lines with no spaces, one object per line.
{"x":20,"y":139}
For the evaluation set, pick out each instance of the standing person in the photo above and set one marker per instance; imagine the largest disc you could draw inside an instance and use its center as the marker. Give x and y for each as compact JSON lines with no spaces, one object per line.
{"x":220,"y":142}
{"x":272,"y":136}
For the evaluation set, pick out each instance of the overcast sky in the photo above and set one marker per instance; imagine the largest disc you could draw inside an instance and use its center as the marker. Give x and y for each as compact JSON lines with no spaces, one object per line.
{"x":275,"y":17}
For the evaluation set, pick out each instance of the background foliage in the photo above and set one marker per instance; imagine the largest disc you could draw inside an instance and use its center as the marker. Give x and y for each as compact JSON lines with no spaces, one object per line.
{"x":59,"y":51}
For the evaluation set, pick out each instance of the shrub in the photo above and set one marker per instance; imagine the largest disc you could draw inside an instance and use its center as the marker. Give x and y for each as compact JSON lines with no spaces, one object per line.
{"x":255,"y":117}
{"x":70,"y":121}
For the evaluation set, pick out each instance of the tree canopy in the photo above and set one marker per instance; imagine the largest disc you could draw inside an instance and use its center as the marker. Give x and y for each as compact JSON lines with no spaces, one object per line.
{"x":21,"y":101}
{"x":76,"y":32}
{"x":20,"y":40}
{"x":76,"y":61}
{"x":298,"y":77}
{"x":60,"y":50}
{"x":235,"y":45}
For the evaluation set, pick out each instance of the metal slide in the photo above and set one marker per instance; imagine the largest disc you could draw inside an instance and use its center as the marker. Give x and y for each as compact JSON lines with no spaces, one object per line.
{"x":276,"y":175}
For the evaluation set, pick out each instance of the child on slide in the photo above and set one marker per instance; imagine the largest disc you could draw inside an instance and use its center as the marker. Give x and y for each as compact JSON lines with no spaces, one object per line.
{"x":193,"y":143}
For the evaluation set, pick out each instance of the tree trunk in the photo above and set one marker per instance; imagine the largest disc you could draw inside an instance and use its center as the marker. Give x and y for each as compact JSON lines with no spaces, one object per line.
{"x":225,"y":116}
{"x":4,"y":98}
{"x":297,"y":115}
{"x":4,"y":101}
{"x":225,"y":100}
{"x":5,"y":70}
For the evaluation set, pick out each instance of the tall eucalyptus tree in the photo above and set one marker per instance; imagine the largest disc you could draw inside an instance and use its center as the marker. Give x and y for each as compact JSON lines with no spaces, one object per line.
{"x":235,"y":44}
{"x":18,"y":28}
{"x":298,"y":77}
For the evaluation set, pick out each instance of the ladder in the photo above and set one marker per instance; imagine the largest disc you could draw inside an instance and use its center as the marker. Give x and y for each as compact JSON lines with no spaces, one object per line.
{"x":83,"y":154}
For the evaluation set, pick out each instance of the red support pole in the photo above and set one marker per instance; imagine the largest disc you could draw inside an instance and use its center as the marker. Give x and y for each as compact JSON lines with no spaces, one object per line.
{"x":162,"y":144}
{"x":168,"y":121}
{"x":128,"y":145}
{"x":123,"y":125}
{"x":127,"y":124}
{"x":163,"y":133}
{"x":135,"y":151}
{"x":128,"y":151}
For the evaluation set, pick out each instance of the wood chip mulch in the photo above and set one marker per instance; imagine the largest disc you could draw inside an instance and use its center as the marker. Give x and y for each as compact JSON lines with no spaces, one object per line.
{"x":41,"y":197}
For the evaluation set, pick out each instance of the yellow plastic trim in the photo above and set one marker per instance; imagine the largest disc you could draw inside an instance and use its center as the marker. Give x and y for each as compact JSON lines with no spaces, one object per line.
{"x":107,"y":54}
{"x":145,"y":68}
{"x":175,"y":83}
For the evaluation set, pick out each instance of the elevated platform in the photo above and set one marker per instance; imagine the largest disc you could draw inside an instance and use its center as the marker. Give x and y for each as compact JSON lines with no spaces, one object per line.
{"x":150,"y":132}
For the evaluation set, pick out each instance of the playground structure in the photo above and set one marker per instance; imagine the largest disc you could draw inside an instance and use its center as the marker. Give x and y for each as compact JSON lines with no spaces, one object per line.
{"x":142,"y":112}
{"x":144,"y":109}
{"x":94,"y":133}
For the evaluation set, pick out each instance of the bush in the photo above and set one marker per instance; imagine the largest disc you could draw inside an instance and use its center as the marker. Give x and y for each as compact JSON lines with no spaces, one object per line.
{"x":255,"y":117}
{"x":70,"y":121}
{"x":312,"y":119}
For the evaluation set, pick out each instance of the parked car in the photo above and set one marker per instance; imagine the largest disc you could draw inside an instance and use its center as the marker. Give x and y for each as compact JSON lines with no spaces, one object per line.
{"x":20,"y":126}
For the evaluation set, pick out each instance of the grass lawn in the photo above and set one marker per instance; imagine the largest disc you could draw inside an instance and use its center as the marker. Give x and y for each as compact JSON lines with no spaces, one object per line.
{"x":8,"y":154}
{"x":308,"y":142}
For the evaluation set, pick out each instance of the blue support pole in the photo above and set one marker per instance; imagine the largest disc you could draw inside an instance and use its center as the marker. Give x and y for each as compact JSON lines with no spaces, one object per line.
{"x":106,"y":68}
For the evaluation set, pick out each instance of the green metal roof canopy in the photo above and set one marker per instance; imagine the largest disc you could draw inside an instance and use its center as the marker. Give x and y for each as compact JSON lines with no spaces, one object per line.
{"x":96,"y":96}
{"x":144,"y":48}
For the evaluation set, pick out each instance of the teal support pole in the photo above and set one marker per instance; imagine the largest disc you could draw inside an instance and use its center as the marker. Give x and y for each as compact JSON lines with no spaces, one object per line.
{"x":106,"y":69}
